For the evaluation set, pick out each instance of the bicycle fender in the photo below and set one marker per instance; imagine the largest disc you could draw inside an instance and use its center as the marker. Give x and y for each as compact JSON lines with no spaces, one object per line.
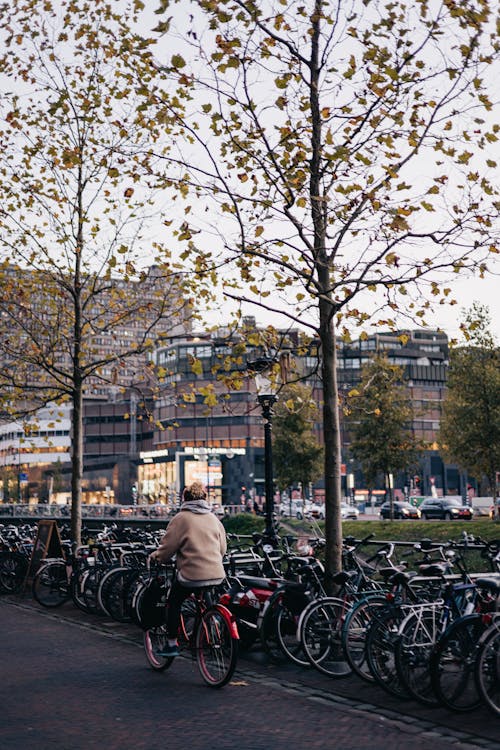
{"x":227,"y":615}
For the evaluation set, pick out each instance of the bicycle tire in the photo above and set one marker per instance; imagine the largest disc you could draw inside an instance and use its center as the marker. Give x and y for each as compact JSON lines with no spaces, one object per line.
{"x":354,"y":631}
{"x":13,"y":570}
{"x":321,"y":629}
{"x":381,"y":638}
{"x":114,"y":594}
{"x":452,"y":664}
{"x":104,"y":587}
{"x":279,"y":633}
{"x":154,"y":640}
{"x":286,"y":629}
{"x":76,"y":588}
{"x":487,"y":668}
{"x":216,"y":647}
{"x":89,"y":591}
{"x":267,"y":631}
{"x":50,"y":586}
{"x":418,"y":635}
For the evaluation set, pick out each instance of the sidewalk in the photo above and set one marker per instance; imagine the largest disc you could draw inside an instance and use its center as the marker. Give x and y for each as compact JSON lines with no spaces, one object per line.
{"x":73,"y":681}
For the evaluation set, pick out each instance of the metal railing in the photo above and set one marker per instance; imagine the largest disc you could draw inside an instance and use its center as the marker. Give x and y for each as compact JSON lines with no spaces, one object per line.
{"x":111,"y":512}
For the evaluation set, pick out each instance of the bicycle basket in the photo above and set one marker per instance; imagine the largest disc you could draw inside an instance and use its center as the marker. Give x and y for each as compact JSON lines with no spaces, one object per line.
{"x":149,"y":610}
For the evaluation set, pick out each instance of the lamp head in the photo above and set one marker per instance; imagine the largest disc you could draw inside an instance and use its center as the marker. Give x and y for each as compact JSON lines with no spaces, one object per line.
{"x":262,"y":370}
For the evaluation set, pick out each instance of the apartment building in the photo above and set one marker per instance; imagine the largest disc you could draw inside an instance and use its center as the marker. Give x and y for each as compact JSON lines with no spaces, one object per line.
{"x":222,"y":444}
{"x":194,"y":426}
{"x":37,"y":331}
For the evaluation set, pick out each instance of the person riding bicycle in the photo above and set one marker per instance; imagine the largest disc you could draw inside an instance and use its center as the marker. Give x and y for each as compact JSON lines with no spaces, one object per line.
{"x":198,"y":540}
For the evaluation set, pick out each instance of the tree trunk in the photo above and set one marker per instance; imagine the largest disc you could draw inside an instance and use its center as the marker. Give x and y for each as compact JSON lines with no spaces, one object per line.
{"x":331,"y":422}
{"x":77,"y":465}
{"x":331,"y":427}
{"x":77,"y":379}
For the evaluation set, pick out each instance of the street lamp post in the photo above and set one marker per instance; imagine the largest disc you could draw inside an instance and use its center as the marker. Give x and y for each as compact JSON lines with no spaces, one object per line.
{"x":266,"y":395}
{"x":350,"y":488}
{"x":390,"y":483}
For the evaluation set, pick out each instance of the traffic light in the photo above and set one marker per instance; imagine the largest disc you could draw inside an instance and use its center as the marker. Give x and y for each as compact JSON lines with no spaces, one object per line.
{"x":416,"y":480}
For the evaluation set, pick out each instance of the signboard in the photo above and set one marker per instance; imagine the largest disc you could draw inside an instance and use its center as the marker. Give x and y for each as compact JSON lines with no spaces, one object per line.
{"x":207,"y":473}
{"x":47,"y":544}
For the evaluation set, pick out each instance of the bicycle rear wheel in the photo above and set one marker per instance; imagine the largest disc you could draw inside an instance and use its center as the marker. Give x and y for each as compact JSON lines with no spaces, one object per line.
{"x":381,"y":639}
{"x":487,"y":670}
{"x":452,"y":664}
{"x":216,"y":648}
{"x":278,"y":632}
{"x":113,"y":593}
{"x":417,"y":637}
{"x":76,"y":588}
{"x":50,"y":586}
{"x":286,"y":628}
{"x":321,"y":630}
{"x":89,"y":591}
{"x":155,"y":639}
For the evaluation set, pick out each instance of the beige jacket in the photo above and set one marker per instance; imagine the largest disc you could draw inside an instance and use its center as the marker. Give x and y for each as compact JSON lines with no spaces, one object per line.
{"x":199,"y":541}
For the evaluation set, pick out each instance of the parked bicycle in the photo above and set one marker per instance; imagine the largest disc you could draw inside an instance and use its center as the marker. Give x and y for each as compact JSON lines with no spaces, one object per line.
{"x":207,"y":631}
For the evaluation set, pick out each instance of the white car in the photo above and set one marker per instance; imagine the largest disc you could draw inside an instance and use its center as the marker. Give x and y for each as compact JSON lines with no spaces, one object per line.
{"x":292,"y":509}
{"x":315,"y":510}
{"x":348,"y":512}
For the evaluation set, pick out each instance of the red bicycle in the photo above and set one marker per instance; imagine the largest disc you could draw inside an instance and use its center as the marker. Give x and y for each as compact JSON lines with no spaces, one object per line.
{"x":207,"y":631}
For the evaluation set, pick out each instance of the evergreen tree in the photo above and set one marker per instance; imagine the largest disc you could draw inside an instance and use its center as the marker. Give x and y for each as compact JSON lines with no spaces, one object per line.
{"x":470,"y":425}
{"x":298,"y":457}
{"x":380,"y":422}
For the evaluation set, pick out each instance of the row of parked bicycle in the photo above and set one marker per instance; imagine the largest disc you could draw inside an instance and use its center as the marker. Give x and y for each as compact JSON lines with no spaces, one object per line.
{"x":431,"y":633}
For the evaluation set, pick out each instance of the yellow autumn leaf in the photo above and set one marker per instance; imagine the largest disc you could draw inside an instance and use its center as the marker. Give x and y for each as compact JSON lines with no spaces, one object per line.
{"x":178,"y":61}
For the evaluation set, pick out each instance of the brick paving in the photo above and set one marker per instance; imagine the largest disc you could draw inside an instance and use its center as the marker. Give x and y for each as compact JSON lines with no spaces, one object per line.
{"x":72,"y":681}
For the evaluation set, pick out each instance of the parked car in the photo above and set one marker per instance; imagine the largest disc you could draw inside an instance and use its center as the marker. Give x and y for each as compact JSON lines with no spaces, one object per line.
{"x":445,"y":508}
{"x":401,"y":509}
{"x":292,"y":509}
{"x":348,"y":511}
{"x":314,"y":510}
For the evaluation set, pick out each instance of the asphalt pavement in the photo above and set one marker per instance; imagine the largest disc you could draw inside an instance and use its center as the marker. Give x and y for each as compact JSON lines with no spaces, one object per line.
{"x":73,"y":681}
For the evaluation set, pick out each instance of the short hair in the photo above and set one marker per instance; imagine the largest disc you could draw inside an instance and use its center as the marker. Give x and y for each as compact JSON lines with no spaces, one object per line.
{"x":195,"y":491}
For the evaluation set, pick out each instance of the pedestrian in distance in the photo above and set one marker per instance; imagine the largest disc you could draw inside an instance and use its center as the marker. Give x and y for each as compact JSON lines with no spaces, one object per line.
{"x":198,"y":540}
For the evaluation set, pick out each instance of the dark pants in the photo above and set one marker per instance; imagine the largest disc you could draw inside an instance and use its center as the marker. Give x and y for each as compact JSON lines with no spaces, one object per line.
{"x":178,"y":593}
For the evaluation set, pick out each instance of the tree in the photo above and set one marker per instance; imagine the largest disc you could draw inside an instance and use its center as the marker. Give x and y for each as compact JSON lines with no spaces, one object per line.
{"x":380,"y":422}
{"x":298,"y":456}
{"x":344,"y":153}
{"x":470,"y":424}
{"x":80,"y":301}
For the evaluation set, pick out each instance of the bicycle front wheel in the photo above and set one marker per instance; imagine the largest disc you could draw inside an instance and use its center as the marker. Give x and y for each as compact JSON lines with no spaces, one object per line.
{"x":321,"y":636}
{"x":216,"y":648}
{"x":50,"y":586}
{"x":155,"y":639}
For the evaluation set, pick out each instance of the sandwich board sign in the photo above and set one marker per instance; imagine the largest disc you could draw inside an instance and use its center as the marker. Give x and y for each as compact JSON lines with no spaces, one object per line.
{"x":47,"y":544}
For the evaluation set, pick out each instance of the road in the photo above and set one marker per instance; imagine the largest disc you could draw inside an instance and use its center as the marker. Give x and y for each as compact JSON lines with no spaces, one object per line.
{"x":72,"y":681}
